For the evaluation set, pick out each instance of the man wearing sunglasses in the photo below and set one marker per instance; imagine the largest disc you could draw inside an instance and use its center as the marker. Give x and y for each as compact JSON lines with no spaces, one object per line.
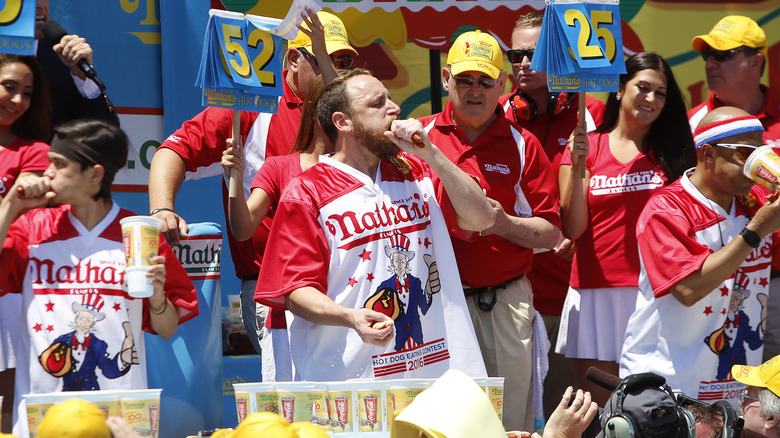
{"x":550,"y":117}
{"x":760,"y":401}
{"x":512,"y":166}
{"x":703,"y":239}
{"x":735,"y":53}
{"x":196,"y":149}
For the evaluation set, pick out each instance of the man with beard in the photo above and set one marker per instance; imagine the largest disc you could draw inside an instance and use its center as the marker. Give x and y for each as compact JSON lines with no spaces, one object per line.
{"x":473,"y":132}
{"x":324,"y":258}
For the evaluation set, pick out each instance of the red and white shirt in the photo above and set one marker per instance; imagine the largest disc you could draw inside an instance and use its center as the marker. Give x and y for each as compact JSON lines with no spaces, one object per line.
{"x":22,"y":155}
{"x":606,"y":252}
{"x":678,"y":229}
{"x":332,"y":231}
{"x":514,"y":170}
{"x":53,"y":260}
{"x":201,"y":141}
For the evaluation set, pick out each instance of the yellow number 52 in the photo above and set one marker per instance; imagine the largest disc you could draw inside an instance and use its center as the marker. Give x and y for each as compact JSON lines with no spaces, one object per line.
{"x":233,"y":34}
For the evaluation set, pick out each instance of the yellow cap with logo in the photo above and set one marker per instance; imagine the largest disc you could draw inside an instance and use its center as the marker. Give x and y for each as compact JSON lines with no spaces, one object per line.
{"x":766,"y":375}
{"x":731,"y":32}
{"x":74,"y":418}
{"x":476,"y":51}
{"x":335,"y":35}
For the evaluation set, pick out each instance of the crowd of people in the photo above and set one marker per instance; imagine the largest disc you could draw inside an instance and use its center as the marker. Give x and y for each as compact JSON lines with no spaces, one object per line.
{"x":657,"y":260}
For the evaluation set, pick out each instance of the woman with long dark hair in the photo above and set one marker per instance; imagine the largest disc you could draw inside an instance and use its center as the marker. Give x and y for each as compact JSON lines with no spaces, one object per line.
{"x":643,"y":144}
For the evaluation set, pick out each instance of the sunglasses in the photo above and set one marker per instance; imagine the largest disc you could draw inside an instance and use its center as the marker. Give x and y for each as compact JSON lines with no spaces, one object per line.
{"x":469,"y":82}
{"x":741,"y":151}
{"x":516,"y":56}
{"x":344,"y":62}
{"x":725,"y":55}
{"x":744,"y":398}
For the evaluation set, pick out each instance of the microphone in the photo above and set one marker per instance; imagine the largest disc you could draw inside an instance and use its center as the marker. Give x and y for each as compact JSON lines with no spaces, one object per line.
{"x":54,"y":32}
{"x":602,"y":378}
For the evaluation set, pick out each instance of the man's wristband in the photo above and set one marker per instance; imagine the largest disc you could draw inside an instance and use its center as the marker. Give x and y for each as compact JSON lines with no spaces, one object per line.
{"x":751,"y":238}
{"x":157,"y":210}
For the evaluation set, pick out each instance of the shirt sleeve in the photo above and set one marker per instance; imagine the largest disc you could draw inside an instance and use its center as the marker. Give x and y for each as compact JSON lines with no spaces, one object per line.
{"x":178,"y":288}
{"x":539,"y":183}
{"x":201,"y":140}
{"x":666,"y":239}
{"x":300,"y":254}
{"x":14,"y":257}
{"x":34,"y":158}
{"x":267,"y":179}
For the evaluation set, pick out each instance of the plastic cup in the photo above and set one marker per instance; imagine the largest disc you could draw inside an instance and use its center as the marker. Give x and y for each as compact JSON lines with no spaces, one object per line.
{"x":321,"y":412}
{"x":296,"y":400}
{"x":341,"y":402}
{"x":37,"y":404}
{"x":141,"y":238}
{"x":495,"y":393}
{"x":763,"y":167}
{"x":244,"y":397}
{"x":371,"y":400}
{"x":401,"y":392}
{"x":141,"y":410}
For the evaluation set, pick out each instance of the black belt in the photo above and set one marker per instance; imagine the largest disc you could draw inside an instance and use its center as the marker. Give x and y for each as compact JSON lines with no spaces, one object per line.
{"x":249,"y":277}
{"x":469,"y":291}
{"x":486,"y":303}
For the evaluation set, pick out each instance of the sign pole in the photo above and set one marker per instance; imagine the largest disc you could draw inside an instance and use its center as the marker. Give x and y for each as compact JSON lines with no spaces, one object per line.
{"x":236,"y":134}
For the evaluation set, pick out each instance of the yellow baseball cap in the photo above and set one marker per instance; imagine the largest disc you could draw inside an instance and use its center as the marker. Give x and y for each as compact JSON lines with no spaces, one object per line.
{"x":731,"y":32}
{"x":335,"y":35}
{"x":308,"y":430}
{"x":264,"y":424}
{"x":74,"y":418}
{"x":476,"y":51}
{"x":766,"y":375}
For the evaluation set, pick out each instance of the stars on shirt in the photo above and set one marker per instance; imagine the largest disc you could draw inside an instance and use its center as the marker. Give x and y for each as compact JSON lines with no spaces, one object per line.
{"x":366,"y":255}
{"x":49,"y":306}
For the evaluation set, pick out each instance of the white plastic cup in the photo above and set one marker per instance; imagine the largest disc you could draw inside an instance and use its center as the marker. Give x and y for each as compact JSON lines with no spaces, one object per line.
{"x":342,"y":399}
{"x":141,"y":238}
{"x":37,"y":405}
{"x":763,"y":167}
{"x":371,"y":407}
{"x":141,"y":410}
{"x":296,"y":400}
{"x":495,"y":392}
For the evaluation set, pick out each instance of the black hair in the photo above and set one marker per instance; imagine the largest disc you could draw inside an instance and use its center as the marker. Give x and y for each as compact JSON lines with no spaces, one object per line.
{"x":106,"y":139}
{"x":34,"y":124}
{"x":669,"y":140}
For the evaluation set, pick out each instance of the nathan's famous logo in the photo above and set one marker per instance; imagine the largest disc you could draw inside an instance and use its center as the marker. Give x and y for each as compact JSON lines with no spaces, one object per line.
{"x":219,"y":98}
{"x":45,"y":271}
{"x":644,"y":180}
{"x":350,"y":223}
{"x":479,"y":50}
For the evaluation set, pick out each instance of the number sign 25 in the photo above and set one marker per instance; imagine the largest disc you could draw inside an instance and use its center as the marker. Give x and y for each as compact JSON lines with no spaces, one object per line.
{"x":593,"y":33}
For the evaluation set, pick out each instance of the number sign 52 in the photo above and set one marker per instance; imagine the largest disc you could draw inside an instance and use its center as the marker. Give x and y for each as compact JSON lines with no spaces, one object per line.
{"x":251,"y":57}
{"x":593,"y":33}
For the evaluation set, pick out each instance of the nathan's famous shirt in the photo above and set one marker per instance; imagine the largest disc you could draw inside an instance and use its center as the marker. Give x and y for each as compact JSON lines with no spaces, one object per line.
{"x":695,"y":347}
{"x":371,"y":243}
{"x":65,"y":272}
